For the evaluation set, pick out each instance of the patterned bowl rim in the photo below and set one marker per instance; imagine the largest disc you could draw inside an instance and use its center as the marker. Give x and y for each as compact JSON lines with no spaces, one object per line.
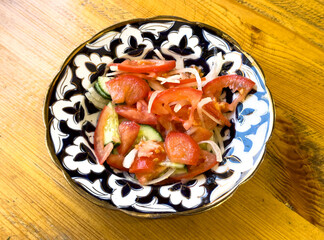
{"x":105,"y":204}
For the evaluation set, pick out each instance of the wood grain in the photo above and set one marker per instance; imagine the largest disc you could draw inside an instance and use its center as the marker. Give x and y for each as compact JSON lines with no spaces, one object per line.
{"x":284,"y":200}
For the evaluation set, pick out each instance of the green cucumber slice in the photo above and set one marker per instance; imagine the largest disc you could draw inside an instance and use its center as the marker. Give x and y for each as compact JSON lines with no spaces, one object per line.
{"x":146,"y":133}
{"x":102,"y":84}
{"x":99,"y":90}
{"x":111,"y":129}
{"x":172,"y":165}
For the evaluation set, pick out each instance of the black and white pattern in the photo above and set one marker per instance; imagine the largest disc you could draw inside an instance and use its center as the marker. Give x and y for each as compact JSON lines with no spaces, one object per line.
{"x":71,"y":118}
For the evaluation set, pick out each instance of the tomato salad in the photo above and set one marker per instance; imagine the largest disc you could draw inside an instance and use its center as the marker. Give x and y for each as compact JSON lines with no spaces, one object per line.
{"x":158,"y":122}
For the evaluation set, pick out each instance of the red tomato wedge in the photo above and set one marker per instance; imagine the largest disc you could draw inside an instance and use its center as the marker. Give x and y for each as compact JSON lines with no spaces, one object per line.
{"x":235,"y":82}
{"x":214,"y":110}
{"x":161,"y":103}
{"x":128,"y":131}
{"x":144,"y":178}
{"x":201,"y":134}
{"x":148,"y":168}
{"x":138,"y":114}
{"x":145,"y":66}
{"x":128,"y":88}
{"x":102,"y":152}
{"x":207,"y":160}
{"x":181,"y":148}
{"x":142,"y":165}
{"x":116,"y":161}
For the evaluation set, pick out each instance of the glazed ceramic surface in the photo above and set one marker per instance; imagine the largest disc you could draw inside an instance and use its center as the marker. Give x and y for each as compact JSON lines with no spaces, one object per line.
{"x":71,"y":119}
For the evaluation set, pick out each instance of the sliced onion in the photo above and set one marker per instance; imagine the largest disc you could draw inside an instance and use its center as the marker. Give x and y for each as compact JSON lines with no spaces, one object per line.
{"x":215,"y":69}
{"x":171,"y":79}
{"x":190,"y":70}
{"x":98,"y":103}
{"x":130,"y":157}
{"x":219,"y":140}
{"x":159,"y":54}
{"x":153,"y":96}
{"x":211,"y":117}
{"x":161,"y":178}
{"x":191,"y":130}
{"x":155,"y":85}
{"x":113,"y":73}
{"x":201,"y":103}
{"x":113,"y":68}
{"x":177,"y":107}
{"x":215,"y":149}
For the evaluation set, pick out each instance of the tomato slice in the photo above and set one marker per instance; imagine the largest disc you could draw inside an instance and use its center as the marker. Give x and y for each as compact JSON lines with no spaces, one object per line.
{"x":235,"y":82}
{"x":214,"y":109}
{"x":207,"y":160}
{"x":128,"y":131}
{"x":146,"y":65}
{"x":181,"y":148}
{"x":161,"y":103}
{"x":128,"y":88}
{"x":102,"y":152}
{"x":147,"y":168}
{"x":139,"y":114}
{"x":144,"y":178}
{"x":142,"y":165}
{"x":116,"y":161}
{"x":201,"y":134}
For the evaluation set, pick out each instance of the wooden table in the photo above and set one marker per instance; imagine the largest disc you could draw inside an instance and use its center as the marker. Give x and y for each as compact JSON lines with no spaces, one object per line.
{"x":284,"y":200}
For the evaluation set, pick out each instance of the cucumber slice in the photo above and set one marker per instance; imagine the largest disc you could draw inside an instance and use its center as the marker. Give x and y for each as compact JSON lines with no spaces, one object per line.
{"x":146,"y":133}
{"x":180,"y":171}
{"x":102,"y":93}
{"x":102,"y":84}
{"x":172,"y":165}
{"x":96,"y":99}
{"x":111,"y":129}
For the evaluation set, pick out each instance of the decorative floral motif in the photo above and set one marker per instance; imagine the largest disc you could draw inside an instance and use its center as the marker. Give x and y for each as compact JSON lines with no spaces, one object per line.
{"x":133,"y":43}
{"x":182,"y":45}
{"x":65,"y":84}
{"x":74,"y":112}
{"x":95,"y":188}
{"x":87,"y":66}
{"x":189,"y":194}
{"x":71,"y":119}
{"x":217,"y":42}
{"x":125,"y":192}
{"x":250,"y":113}
{"x":153,"y":206}
{"x":81,"y":158}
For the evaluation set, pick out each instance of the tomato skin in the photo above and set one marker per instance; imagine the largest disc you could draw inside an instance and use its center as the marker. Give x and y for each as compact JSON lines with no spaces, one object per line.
{"x":146,"y":66}
{"x":128,"y":131}
{"x":142,"y":165}
{"x":116,"y":161}
{"x":161,"y":103}
{"x":128,"y":88}
{"x":235,"y":83}
{"x":207,"y":160}
{"x":181,"y":148}
{"x":101,"y":151}
{"x":138,"y":114}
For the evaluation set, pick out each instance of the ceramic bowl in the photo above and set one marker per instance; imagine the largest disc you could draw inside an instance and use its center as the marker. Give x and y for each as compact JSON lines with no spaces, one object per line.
{"x":70,"y":118}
